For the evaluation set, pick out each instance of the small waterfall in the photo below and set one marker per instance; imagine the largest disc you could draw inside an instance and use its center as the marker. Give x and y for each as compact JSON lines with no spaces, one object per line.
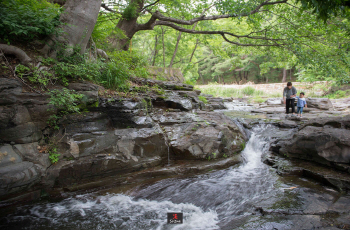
{"x":164,"y":136}
{"x":208,"y":201}
{"x":166,"y":141}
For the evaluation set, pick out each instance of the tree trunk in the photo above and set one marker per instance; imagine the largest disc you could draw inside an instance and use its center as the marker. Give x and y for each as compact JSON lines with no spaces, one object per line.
{"x":267,"y":79}
{"x":155,"y":50}
{"x":128,"y":26}
{"x":194,"y":50}
{"x":290,"y":75}
{"x":245,"y":74}
{"x":78,"y":22}
{"x":284,"y":79}
{"x":175,"y":51}
{"x":129,"y":29}
{"x":163,"y":32}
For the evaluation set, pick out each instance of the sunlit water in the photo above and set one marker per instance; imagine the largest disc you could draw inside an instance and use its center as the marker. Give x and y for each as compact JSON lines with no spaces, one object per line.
{"x":211,"y":201}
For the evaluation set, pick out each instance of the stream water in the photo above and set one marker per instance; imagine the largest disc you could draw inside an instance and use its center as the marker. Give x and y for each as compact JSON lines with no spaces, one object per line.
{"x":215,"y":200}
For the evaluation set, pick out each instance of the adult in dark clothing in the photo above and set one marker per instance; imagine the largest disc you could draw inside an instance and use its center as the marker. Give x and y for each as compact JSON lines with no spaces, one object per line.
{"x":289,"y":94}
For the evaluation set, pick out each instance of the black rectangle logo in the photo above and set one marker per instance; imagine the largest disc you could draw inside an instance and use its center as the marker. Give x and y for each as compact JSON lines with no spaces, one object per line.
{"x":175,"y":218}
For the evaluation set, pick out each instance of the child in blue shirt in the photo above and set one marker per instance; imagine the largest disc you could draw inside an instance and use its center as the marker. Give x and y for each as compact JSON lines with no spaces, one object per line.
{"x":301,"y":103}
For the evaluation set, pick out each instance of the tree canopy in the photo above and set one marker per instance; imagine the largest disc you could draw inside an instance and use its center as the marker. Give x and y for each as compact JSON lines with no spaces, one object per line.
{"x":224,"y":40}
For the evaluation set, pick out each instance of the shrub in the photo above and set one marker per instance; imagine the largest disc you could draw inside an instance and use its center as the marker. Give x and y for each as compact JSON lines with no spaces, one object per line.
{"x":189,"y":82}
{"x":258,"y":99}
{"x":250,"y":91}
{"x":339,"y":94}
{"x":53,"y":155}
{"x":114,"y":76}
{"x":205,"y":101}
{"x":25,"y":20}
{"x":34,"y":75}
{"x":65,"y":100}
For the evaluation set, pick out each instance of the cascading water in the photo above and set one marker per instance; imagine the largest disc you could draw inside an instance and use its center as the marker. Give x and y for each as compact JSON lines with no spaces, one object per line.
{"x":210,"y":201}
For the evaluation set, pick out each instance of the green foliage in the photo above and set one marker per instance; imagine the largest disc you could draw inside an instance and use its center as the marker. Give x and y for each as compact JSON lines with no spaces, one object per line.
{"x":26,"y":20}
{"x":21,"y":70}
{"x":189,"y":82}
{"x":326,"y":9}
{"x":130,"y":11}
{"x":242,"y":146}
{"x":85,"y":70}
{"x":112,"y":74}
{"x":65,"y":100}
{"x":34,"y":75}
{"x":249,"y":91}
{"x":53,"y":155}
{"x":258,"y":99}
{"x":204,"y":99}
{"x":339,"y":94}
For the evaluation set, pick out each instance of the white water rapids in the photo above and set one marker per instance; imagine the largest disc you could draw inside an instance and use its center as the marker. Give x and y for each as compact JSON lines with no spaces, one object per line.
{"x":212,"y":201}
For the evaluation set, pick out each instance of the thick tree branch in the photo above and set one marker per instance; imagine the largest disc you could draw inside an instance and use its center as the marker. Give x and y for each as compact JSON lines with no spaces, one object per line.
{"x":222,"y":33}
{"x":148,"y":25}
{"x":161,"y":17}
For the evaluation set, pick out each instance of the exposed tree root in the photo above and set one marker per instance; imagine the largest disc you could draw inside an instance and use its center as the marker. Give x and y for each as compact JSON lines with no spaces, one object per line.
{"x":102,"y":54}
{"x":12,"y":50}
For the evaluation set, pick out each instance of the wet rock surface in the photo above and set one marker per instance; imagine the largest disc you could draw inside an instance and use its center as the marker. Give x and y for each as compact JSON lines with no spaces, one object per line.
{"x":130,"y":145}
{"x":115,"y":136}
{"x":325,"y":141}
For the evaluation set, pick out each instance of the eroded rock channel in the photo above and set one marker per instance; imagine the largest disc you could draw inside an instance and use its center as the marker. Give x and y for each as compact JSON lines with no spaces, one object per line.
{"x":124,"y":163}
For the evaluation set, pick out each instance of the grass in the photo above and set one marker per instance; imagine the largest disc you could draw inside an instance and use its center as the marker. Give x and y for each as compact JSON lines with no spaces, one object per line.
{"x":316,"y":91}
{"x":205,"y":101}
{"x":258,"y":99}
{"x":218,"y":91}
{"x":339,"y":94}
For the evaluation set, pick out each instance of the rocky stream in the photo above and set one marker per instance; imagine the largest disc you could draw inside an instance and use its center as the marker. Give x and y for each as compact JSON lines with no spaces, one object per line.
{"x":126,"y":163}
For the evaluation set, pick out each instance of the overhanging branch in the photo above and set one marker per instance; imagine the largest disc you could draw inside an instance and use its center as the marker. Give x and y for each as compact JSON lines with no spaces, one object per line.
{"x":222,"y":33}
{"x":161,"y":17}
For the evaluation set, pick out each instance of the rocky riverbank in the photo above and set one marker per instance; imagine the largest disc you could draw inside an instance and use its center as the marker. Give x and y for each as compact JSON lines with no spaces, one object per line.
{"x":114,"y":136}
{"x":120,"y":144}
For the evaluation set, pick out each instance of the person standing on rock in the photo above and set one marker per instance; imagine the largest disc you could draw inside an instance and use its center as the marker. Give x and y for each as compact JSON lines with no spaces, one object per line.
{"x":301,"y":103}
{"x":289,"y":94}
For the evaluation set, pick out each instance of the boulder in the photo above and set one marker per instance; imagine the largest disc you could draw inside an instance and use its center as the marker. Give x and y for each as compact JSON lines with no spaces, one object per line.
{"x":175,"y":101}
{"x":102,"y":154}
{"x":274,"y":101}
{"x":325,"y":141}
{"x":218,"y":106}
{"x":319,"y":103}
{"x":207,"y":136}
